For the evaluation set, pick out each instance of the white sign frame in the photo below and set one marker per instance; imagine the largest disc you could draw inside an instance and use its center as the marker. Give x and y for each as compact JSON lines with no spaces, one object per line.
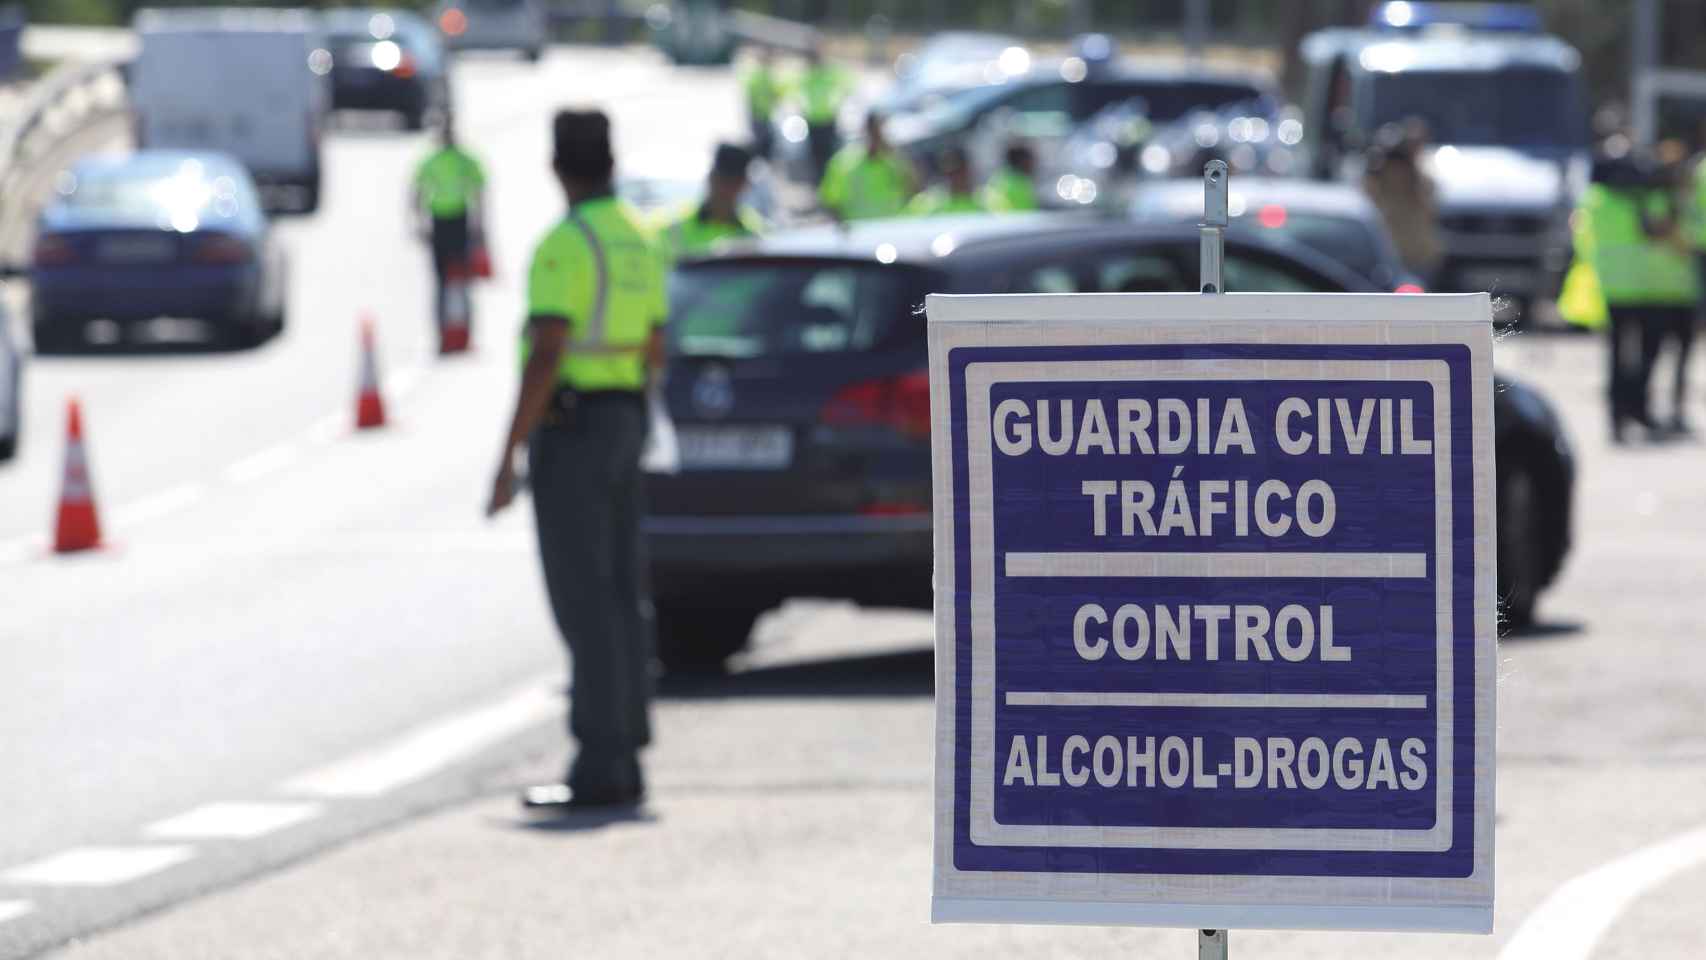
{"x":1459,"y":904}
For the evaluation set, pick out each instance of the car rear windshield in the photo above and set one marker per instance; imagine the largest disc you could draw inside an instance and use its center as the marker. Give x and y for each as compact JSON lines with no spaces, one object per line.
{"x":773,"y":308}
{"x":191,"y":191}
{"x":1348,"y":241}
{"x":1515,"y":107}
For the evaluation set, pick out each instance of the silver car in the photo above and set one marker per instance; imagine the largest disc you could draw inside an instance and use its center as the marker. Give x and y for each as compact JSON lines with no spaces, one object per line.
{"x":493,"y":25}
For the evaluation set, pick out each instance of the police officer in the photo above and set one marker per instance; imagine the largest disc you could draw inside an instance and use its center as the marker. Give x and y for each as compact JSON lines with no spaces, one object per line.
{"x":763,"y":88}
{"x":1013,"y":188}
{"x":448,"y":192}
{"x":596,"y":308}
{"x":721,"y":216}
{"x":822,"y":87}
{"x":954,"y":194}
{"x":867,"y":179}
{"x":1628,"y":222}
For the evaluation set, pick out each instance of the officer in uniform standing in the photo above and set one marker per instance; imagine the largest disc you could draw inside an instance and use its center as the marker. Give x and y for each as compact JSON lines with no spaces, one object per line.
{"x":1013,"y":188}
{"x":721,"y":216}
{"x":763,"y":89}
{"x":866,"y":180}
{"x":955,"y":194}
{"x":596,"y":309}
{"x":448,"y":192}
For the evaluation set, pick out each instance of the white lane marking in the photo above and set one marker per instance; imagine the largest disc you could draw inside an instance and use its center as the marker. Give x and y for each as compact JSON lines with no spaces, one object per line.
{"x":18,"y":549}
{"x":258,"y":465}
{"x":97,"y":866}
{"x":160,"y":504}
{"x":430,"y":748}
{"x":1570,"y":922}
{"x":232,"y":821}
{"x":13,"y":909}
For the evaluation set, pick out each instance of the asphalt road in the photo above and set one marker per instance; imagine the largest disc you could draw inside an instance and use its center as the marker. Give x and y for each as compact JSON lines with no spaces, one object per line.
{"x":318,"y":625}
{"x":280,"y":591}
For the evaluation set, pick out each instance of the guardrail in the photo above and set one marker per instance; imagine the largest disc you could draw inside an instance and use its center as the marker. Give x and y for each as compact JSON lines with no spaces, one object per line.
{"x":68,"y":99}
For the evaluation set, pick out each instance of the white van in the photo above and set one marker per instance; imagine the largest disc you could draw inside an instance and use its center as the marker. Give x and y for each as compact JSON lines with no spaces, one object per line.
{"x":249,"y":83}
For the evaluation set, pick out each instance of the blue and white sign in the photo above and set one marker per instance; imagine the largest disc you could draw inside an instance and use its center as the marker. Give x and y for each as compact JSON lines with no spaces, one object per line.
{"x":1214,"y":610}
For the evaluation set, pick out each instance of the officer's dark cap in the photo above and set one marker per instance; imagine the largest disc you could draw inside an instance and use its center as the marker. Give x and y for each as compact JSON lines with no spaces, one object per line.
{"x":581,"y":144}
{"x":730,"y":161}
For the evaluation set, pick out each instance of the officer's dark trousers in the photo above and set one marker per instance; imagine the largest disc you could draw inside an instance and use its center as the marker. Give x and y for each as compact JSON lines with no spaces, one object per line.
{"x":587,"y":501}
{"x":1636,"y":335}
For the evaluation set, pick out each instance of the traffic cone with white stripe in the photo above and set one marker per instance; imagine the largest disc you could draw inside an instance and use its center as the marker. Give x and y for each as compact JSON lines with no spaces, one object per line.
{"x":369,"y":407}
{"x":453,"y":334}
{"x":77,"y":527}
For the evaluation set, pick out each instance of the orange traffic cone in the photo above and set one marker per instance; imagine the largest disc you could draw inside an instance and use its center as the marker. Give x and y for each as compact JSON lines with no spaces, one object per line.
{"x":369,"y":408}
{"x":77,"y":527}
{"x":453,"y":334}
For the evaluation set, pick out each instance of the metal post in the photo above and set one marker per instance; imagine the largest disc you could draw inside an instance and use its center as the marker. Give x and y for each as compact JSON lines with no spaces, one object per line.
{"x":1214,"y":180}
{"x":1643,"y":60}
{"x":1211,"y":945}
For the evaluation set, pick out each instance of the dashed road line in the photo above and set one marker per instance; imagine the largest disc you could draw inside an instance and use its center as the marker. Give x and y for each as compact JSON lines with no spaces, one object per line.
{"x":428,"y":749}
{"x":1570,"y":922}
{"x":13,"y":909}
{"x":97,"y":866}
{"x":258,"y":465}
{"x":159,"y":504}
{"x":232,"y":821}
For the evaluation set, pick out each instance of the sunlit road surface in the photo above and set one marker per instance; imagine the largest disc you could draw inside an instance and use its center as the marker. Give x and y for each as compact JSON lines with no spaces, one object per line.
{"x":301,"y":635}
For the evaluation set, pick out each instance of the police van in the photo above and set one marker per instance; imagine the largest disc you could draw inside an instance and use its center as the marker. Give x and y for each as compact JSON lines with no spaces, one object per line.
{"x":248,"y":83}
{"x":1503,"y":104}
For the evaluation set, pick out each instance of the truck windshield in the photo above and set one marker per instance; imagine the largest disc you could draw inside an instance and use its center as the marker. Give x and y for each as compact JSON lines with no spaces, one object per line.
{"x":1516,"y":107}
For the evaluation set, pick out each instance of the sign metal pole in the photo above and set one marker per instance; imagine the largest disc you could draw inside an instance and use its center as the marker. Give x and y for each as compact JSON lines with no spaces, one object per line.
{"x":1211,"y":944}
{"x":1214,"y":180}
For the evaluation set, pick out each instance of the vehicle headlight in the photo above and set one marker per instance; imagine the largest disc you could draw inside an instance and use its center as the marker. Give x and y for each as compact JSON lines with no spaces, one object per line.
{"x":794,"y":129}
{"x":1156,"y":159}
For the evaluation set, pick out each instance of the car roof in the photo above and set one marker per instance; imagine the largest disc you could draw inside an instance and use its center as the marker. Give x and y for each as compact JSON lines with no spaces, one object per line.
{"x":244,"y":19}
{"x":962,"y":238}
{"x":160,"y":163}
{"x":1179,"y":195}
{"x":1442,"y":50}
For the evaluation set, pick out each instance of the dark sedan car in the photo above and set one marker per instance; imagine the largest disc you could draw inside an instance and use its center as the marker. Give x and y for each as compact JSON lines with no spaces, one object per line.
{"x":387,"y":60}
{"x":801,"y":400}
{"x":158,"y":233}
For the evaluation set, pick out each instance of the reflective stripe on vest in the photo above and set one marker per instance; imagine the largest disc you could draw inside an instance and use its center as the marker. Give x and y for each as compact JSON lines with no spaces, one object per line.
{"x":592,"y":343}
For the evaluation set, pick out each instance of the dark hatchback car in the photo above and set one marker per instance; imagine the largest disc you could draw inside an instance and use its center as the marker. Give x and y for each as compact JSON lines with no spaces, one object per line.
{"x":801,"y":402}
{"x":388,"y":60}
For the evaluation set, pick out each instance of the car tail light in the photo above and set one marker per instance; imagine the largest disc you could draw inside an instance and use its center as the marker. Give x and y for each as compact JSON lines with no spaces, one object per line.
{"x":1271,"y":216}
{"x":453,"y":22}
{"x":901,"y":403}
{"x":405,"y":67}
{"x":52,"y":251}
{"x":219,"y":248}
{"x":1409,"y":288}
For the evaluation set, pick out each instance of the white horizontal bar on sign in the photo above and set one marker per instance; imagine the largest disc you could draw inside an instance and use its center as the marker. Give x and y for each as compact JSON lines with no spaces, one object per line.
{"x":1252,"y":565}
{"x":1301,"y":701}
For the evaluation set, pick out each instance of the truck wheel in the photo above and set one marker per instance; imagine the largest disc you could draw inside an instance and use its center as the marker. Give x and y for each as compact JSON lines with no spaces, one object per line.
{"x":700,"y":639}
{"x":1521,"y":545}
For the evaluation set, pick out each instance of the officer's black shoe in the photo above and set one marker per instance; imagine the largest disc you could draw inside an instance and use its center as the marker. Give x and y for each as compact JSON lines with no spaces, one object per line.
{"x":561,"y":798}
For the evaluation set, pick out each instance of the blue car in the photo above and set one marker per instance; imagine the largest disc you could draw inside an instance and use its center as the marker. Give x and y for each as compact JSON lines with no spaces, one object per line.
{"x":132,"y":238}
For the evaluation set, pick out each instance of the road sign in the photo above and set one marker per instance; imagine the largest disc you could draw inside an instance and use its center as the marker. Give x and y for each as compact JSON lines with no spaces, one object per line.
{"x":1215,"y":610}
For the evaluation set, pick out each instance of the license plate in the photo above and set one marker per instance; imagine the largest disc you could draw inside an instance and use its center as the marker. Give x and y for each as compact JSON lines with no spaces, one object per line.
{"x":735,"y":448}
{"x":135,"y":249}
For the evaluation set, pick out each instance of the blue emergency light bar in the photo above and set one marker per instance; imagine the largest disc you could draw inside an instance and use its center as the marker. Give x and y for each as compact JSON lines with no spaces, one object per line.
{"x":1489,"y":17}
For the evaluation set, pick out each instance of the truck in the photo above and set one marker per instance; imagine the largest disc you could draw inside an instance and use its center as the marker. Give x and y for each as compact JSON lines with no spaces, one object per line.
{"x":250,"y":83}
{"x":1509,"y":152}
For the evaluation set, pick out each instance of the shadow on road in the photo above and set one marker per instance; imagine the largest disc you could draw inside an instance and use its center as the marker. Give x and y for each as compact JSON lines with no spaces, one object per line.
{"x":1542,"y":631}
{"x":578,"y":822}
{"x":907,"y":673}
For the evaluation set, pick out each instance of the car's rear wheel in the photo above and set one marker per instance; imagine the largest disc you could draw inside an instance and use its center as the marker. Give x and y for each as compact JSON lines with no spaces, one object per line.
{"x":699,"y":639}
{"x":1521,"y":544}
